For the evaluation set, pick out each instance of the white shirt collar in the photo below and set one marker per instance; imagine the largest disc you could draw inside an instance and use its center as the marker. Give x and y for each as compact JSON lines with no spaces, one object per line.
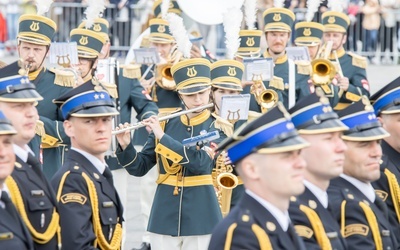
{"x":281,"y":217}
{"x":321,"y":195}
{"x":22,"y":153}
{"x":100,"y":166}
{"x":365,"y":188}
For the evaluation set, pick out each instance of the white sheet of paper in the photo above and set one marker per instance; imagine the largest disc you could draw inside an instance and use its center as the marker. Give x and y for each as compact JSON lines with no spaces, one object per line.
{"x":259,"y":66}
{"x":63,"y":53}
{"x":105,"y":70}
{"x":146,"y":56}
{"x":235,"y":107}
{"x":298,"y":53}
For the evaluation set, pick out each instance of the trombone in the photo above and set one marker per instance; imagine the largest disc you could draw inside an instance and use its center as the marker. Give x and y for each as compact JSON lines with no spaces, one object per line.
{"x":184,"y":112}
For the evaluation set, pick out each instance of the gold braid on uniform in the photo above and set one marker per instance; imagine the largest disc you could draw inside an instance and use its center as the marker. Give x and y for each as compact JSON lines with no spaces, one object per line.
{"x":373,"y":224}
{"x":318,"y":228}
{"x":262,"y":236}
{"x":395,"y":191}
{"x":52,"y":229}
{"x":169,"y":169}
{"x":117,"y":236}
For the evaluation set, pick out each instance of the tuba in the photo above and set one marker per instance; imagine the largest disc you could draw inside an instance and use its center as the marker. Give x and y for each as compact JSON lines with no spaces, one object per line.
{"x":323,"y":71}
{"x":266,"y":98}
{"x":224,"y":182}
{"x":164,"y":77}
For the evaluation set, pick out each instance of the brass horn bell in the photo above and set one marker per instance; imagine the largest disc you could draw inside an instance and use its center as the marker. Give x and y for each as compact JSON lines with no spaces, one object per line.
{"x":323,"y":71}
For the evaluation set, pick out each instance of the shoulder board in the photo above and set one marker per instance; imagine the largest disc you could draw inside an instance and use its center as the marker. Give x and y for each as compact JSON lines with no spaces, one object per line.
{"x":39,"y":128}
{"x":253,"y":115}
{"x":63,"y":78}
{"x":131,"y":71}
{"x":357,"y":60}
{"x":111,"y":89}
{"x":303,"y":67}
{"x":167,"y":111}
{"x":277,"y":82}
{"x":222,"y":124}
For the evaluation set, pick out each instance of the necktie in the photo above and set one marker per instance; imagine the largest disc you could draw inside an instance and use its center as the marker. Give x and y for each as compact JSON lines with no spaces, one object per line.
{"x":34,"y":162}
{"x":9,"y":206}
{"x":107,"y":173}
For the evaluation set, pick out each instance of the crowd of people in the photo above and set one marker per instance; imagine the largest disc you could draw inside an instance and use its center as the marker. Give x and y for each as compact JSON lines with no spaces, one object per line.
{"x":310,"y":163}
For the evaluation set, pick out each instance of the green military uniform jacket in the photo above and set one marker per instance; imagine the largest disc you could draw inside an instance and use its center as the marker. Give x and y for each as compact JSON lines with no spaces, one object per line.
{"x":354,"y":68}
{"x":185,"y":203}
{"x":281,"y":69}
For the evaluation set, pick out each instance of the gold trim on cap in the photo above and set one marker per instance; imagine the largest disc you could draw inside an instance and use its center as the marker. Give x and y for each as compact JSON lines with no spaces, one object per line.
{"x":40,"y":18}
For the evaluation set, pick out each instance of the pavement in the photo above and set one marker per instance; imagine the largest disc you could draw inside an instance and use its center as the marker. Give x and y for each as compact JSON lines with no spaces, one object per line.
{"x":378,"y":76}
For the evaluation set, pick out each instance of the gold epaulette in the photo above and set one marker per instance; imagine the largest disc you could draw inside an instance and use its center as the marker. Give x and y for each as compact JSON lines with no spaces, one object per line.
{"x":253,"y":115}
{"x":222,"y":124}
{"x":111,"y":89}
{"x":303,"y":67}
{"x":277,"y":82}
{"x":131,"y":71}
{"x":167,"y":111}
{"x":64,"y":78}
{"x":39,"y":128}
{"x":357,"y":60}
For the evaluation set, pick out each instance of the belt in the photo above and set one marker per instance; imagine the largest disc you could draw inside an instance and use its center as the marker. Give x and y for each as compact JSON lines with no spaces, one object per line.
{"x":341,"y":105}
{"x":188,"y":181}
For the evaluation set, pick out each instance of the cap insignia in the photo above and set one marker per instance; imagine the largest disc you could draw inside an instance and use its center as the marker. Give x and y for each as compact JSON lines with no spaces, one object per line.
{"x":250,"y":41}
{"x":161,"y":28}
{"x":83,"y":40}
{"x":277,"y":17}
{"x":97,"y":27}
{"x":34,"y":26}
{"x":232,"y":71}
{"x":191,"y":72}
{"x":331,"y":20}
{"x":307,"y":32}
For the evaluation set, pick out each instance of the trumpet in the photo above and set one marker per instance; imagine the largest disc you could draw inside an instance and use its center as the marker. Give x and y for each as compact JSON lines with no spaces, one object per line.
{"x":266,"y":98}
{"x":164,"y":77}
{"x":323,"y":70}
{"x":164,"y":118}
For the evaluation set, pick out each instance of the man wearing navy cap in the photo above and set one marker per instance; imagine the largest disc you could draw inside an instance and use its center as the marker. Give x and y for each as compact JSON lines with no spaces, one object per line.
{"x":266,"y":154}
{"x":27,"y":184}
{"x":90,"y":209}
{"x":14,"y":234}
{"x":387,"y":108}
{"x":362,"y":215}
{"x":318,"y":124}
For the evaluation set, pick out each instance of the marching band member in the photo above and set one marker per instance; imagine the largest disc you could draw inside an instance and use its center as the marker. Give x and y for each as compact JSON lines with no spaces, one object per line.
{"x":185,"y":207}
{"x":34,"y":38}
{"x":318,"y":124}
{"x":14,"y":234}
{"x":30,"y":191}
{"x":89,"y":206}
{"x":266,"y":154}
{"x":278,"y":28}
{"x":352,"y":79}
{"x":362,"y":215}
{"x":387,"y":108}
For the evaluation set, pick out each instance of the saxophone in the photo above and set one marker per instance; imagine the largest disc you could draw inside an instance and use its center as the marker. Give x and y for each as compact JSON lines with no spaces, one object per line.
{"x":224,"y":182}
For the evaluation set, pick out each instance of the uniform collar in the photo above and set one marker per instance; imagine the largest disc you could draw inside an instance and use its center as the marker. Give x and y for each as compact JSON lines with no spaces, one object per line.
{"x":33,"y":75}
{"x":22,"y":153}
{"x":281,"y":217}
{"x":199,"y":119}
{"x":279,"y":60}
{"x":365,"y":188}
{"x":340,"y":52}
{"x":99,"y":165}
{"x":321,"y":195}
{"x":87,"y":77}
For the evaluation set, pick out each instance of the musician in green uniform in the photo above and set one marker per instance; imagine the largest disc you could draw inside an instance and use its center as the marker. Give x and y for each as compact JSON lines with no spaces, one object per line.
{"x":309,"y":35}
{"x":278,"y":29}
{"x":185,"y":207}
{"x":34,"y":38}
{"x":351,"y":77}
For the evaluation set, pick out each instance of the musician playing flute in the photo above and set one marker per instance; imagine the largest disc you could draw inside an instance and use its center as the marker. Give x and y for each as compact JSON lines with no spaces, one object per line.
{"x":185,"y":207}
